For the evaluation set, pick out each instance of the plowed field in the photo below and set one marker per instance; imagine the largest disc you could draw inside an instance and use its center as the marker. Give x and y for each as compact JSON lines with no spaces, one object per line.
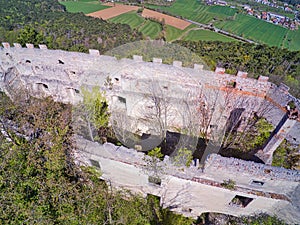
{"x":115,"y":10}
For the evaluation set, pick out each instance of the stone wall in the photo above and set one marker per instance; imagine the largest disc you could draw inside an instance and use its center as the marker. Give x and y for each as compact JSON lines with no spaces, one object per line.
{"x":61,"y":74}
{"x":192,"y":191}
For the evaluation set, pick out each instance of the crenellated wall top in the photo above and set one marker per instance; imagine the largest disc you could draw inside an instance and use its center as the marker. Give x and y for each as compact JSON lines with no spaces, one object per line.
{"x":240,"y":82}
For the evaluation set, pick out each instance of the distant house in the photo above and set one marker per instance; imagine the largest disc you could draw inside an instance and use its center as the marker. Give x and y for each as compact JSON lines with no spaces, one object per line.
{"x":293,"y":26}
{"x":219,"y":2}
{"x":264,"y":15}
{"x":277,"y":16}
{"x":246,"y":7}
{"x":288,"y":9}
{"x":209,"y":2}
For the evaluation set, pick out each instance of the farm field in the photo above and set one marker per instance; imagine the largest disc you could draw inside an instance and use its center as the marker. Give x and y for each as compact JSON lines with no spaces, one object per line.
{"x":85,"y":6}
{"x":151,"y":29}
{"x":191,"y":9}
{"x":224,"y":18}
{"x":292,"y":40}
{"x":255,"y":29}
{"x":230,"y":20}
{"x":116,"y":10}
{"x":131,"y":18}
{"x":147,"y":27}
{"x":206,"y":35}
{"x":170,"y":20}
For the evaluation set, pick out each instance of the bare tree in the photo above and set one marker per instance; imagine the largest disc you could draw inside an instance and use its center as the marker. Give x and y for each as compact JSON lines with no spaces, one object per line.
{"x":125,"y":128}
{"x":158,"y":106}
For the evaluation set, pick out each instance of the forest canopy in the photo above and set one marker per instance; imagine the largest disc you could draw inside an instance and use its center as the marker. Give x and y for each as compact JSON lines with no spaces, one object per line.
{"x":280,"y":65}
{"x":47,"y":22}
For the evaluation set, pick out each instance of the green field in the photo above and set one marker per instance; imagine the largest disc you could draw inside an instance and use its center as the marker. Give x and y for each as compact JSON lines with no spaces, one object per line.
{"x":191,"y":9}
{"x":206,"y":35}
{"x":175,"y":33}
{"x":255,"y":29}
{"x":131,"y":18}
{"x":230,"y":20}
{"x":85,"y":6}
{"x":151,"y":29}
{"x":148,"y":28}
{"x":292,"y":40}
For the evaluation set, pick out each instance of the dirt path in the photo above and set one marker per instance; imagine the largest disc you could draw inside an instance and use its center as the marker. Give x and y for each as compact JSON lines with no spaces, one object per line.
{"x":186,"y":33}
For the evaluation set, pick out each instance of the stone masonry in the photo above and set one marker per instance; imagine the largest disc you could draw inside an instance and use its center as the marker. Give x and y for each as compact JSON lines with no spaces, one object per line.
{"x":130,"y":85}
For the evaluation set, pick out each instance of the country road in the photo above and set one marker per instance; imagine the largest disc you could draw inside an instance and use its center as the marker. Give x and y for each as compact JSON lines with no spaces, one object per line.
{"x":220,"y":31}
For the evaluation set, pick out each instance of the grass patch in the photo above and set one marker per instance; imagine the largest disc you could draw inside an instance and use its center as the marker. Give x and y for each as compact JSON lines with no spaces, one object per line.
{"x":292,"y":40}
{"x":131,"y":18}
{"x":175,"y":33}
{"x":85,"y":6}
{"x":151,"y":29}
{"x":206,"y":35}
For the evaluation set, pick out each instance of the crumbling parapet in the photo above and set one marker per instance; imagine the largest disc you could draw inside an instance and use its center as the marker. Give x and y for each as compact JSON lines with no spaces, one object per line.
{"x":157,"y":60}
{"x":71,"y":69}
{"x":263,"y":79}
{"x":6,"y":45}
{"x":94,"y":52}
{"x":216,"y":164}
{"x":30,"y":46}
{"x":17,"y":45}
{"x":220,"y":70}
{"x":60,"y":74}
{"x":137,"y":58}
{"x":43,"y":47}
{"x":191,"y":191}
{"x":198,"y":67}
{"x":177,"y":63}
{"x":242,"y":74}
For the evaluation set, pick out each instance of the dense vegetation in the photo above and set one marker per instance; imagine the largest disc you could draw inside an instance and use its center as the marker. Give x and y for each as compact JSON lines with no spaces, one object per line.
{"x":279,"y":65}
{"x":287,"y":156}
{"x":40,"y":182}
{"x":48,"y":22}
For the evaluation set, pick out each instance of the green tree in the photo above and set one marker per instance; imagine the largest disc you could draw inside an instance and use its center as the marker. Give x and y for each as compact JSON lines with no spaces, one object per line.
{"x":94,"y":110}
{"x":154,"y":166}
{"x":184,"y":157}
{"x":39,"y":181}
{"x":29,"y":35}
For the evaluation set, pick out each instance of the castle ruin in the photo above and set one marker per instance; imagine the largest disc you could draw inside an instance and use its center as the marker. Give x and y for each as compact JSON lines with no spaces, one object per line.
{"x":130,"y":85}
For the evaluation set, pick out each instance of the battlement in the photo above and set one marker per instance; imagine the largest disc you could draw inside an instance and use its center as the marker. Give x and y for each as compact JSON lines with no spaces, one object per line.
{"x":61,"y":74}
{"x":241,"y":78}
{"x":269,"y":189}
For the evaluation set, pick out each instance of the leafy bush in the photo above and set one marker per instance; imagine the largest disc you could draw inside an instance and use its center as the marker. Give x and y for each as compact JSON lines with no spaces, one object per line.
{"x":229,"y":184}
